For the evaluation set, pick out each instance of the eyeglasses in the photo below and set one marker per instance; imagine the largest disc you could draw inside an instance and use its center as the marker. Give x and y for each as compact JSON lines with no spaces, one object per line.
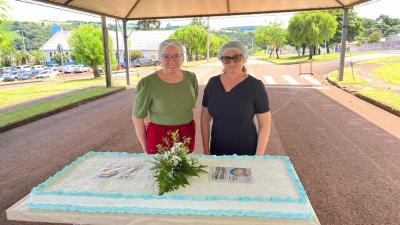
{"x":175,"y":57}
{"x":228,"y":59}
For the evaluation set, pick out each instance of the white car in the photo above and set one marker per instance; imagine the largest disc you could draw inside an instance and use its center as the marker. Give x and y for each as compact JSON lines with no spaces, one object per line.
{"x":69,"y":68}
{"x":48,"y":73}
{"x":81,"y":69}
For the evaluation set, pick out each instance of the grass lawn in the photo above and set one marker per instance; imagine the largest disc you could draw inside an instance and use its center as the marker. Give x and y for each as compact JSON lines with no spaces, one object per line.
{"x":384,"y":96}
{"x":389,"y":72}
{"x":290,"y":59}
{"x":347,"y":78}
{"x":43,"y":107}
{"x":12,"y":96}
{"x":389,"y":59}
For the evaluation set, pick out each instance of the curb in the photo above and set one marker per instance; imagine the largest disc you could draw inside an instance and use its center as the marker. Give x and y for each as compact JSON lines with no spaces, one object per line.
{"x":367,"y":99}
{"x":55,"y":111}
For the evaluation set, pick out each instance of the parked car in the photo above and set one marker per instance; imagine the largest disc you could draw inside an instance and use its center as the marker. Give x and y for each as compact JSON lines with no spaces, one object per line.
{"x":48,"y":73}
{"x":80,"y":69}
{"x":9,"y":77}
{"x":24,"y":67}
{"x":69,"y":68}
{"x":24,"y":75}
{"x":145,"y":61}
{"x":38,"y":67}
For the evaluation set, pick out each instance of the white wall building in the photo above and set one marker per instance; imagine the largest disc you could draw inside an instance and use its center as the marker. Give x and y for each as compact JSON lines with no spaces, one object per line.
{"x":50,"y":48}
{"x":144,"y":41}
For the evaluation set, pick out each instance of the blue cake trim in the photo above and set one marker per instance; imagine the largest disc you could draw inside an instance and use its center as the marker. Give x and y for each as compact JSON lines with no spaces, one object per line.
{"x":195,"y":212}
{"x":41,"y":189}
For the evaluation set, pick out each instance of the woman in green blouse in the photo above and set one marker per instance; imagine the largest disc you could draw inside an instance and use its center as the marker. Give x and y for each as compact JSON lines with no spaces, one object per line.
{"x":169,"y":96}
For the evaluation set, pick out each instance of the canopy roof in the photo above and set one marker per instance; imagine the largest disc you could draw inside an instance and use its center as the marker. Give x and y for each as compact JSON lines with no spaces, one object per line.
{"x":157,"y":9}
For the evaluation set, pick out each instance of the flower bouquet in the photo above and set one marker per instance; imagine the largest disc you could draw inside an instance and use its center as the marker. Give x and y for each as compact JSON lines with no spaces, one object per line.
{"x":173,"y":165}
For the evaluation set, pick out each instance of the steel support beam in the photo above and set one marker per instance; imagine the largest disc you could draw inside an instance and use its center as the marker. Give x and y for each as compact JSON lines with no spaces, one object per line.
{"x":343,"y":46}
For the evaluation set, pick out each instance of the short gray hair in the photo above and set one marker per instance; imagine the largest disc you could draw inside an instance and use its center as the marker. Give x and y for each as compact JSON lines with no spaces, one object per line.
{"x":169,"y":42}
{"x":234,"y":45}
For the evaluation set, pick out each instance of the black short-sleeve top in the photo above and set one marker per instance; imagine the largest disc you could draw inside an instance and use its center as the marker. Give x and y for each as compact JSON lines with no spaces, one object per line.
{"x":233,"y":130}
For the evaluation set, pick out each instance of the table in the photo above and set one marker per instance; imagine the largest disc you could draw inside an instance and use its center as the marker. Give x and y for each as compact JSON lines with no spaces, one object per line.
{"x":275,"y":169}
{"x":20,"y":211}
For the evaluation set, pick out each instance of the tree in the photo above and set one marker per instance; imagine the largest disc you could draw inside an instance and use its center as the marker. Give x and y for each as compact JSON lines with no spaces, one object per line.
{"x":311,"y":29}
{"x":273,"y":36}
{"x":59,"y":58}
{"x":87,"y":46}
{"x":355,"y":27}
{"x":135,"y":54}
{"x":216,"y":42}
{"x":199,"y":21}
{"x":194,"y":38}
{"x":148,"y":24}
{"x":374,"y":37}
{"x":38,"y":57}
{"x":233,"y":33}
{"x":6,"y":42}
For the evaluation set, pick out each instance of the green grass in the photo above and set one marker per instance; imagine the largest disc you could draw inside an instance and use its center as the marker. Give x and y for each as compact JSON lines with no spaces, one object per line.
{"x":290,"y":59}
{"x":347,"y":78}
{"x":384,"y":96}
{"x":389,"y":72}
{"x":12,"y":96}
{"x":389,"y":59}
{"x":43,"y":107}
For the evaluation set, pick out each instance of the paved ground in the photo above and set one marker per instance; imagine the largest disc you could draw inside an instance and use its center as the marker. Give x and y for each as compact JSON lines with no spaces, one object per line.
{"x":344,"y":150}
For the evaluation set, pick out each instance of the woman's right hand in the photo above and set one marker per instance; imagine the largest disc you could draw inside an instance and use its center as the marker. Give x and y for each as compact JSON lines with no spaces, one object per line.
{"x":140,"y":129}
{"x":205,"y":119}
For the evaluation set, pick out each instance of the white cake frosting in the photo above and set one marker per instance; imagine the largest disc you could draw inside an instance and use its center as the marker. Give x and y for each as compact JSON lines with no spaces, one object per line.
{"x":275,"y":190}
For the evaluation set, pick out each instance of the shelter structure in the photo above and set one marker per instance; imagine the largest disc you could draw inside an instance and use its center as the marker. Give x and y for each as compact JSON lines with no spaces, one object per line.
{"x":160,"y":9}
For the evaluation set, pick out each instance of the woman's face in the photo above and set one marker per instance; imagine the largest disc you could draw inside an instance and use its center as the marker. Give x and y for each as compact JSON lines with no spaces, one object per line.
{"x":171,"y":59}
{"x":232,"y":59}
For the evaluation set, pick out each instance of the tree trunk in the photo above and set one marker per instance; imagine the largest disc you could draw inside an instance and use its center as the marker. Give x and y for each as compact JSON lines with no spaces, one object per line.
{"x":327,"y":49}
{"x":311,"y":48}
{"x":304,"y":49}
{"x":96,"y":72}
{"x":271,"y":51}
{"x":277,"y":52}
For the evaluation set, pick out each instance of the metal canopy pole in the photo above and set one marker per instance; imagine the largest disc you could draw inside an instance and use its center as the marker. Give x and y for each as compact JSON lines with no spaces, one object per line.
{"x":126,"y":53}
{"x":343,"y":46}
{"x":106,"y":51}
{"x":116,"y":37}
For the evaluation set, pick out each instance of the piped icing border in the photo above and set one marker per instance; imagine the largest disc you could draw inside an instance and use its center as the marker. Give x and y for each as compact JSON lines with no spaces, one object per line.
{"x":41,"y":189}
{"x":120,"y":210}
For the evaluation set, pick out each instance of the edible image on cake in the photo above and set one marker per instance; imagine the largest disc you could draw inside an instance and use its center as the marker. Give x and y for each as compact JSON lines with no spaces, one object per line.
{"x":116,"y":171}
{"x":231,"y":174}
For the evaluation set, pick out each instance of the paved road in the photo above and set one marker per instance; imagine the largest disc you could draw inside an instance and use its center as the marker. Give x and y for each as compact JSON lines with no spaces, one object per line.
{"x":345,"y":151}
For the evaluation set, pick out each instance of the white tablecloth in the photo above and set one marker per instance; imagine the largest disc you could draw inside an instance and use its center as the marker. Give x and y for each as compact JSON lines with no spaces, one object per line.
{"x":20,"y":211}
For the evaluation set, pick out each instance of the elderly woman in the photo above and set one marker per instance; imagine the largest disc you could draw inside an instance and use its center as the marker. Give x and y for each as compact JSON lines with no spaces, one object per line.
{"x":231,"y":100}
{"x":169,"y":96}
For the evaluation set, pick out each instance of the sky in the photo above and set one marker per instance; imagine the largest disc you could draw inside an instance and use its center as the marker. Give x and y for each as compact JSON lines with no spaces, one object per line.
{"x":23,"y":11}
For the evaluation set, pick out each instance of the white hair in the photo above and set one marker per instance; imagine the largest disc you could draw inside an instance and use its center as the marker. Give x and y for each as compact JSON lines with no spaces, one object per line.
{"x":237,"y":45}
{"x":169,"y":42}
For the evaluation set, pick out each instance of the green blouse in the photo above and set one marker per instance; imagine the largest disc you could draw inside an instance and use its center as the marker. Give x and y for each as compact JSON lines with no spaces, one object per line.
{"x":168,"y":103}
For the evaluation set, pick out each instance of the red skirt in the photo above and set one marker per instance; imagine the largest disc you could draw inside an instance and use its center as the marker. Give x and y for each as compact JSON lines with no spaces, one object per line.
{"x":156,"y":132}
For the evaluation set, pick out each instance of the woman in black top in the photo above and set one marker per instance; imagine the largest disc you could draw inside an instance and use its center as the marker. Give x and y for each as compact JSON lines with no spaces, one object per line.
{"x":230,"y":101}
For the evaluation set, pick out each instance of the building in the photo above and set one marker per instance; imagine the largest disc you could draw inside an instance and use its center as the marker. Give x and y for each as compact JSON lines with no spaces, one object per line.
{"x":57,"y":42}
{"x":144,"y":41}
